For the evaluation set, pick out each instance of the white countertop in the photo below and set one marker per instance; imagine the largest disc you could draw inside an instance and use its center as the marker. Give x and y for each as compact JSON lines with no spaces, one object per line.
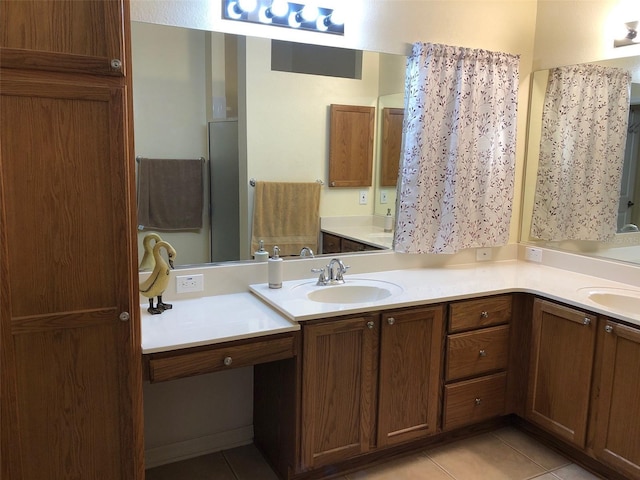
{"x":210,"y":320}
{"x":432,"y":285}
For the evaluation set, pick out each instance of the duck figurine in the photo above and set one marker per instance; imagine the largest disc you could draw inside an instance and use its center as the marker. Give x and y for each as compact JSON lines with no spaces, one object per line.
{"x":155,"y":285}
{"x":148,"y":261}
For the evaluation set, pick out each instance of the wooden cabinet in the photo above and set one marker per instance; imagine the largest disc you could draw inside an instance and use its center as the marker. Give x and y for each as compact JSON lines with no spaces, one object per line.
{"x":391,"y":148}
{"x":410,"y":366}
{"x":69,"y":328}
{"x":617,"y":424}
{"x":351,"y":146}
{"x":335,"y":244}
{"x":338,"y":389}
{"x":65,"y":36}
{"x":477,"y":354}
{"x":561,"y":365}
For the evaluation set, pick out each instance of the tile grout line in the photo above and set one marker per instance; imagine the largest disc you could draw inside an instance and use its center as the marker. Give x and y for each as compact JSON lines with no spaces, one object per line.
{"x":446,"y":472}
{"x":546,"y":470}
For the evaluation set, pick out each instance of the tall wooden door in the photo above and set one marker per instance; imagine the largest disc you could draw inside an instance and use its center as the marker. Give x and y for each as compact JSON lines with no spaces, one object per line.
{"x":561,"y":365}
{"x":410,"y":365}
{"x":70,"y":383}
{"x":338,"y":389}
{"x":617,"y":426}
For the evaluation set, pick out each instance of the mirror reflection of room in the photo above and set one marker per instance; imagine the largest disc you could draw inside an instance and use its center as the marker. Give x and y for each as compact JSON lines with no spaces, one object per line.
{"x":221,"y":86}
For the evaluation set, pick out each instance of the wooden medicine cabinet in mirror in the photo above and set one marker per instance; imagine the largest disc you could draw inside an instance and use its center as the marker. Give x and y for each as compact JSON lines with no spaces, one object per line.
{"x":392,"y":119}
{"x":351,"y":146}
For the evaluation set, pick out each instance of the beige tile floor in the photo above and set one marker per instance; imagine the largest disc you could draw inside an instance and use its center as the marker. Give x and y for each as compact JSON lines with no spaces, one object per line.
{"x":506,"y":454}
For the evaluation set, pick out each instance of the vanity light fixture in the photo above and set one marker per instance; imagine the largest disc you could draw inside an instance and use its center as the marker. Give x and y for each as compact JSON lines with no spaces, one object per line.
{"x":286,"y":14}
{"x":628,"y":35}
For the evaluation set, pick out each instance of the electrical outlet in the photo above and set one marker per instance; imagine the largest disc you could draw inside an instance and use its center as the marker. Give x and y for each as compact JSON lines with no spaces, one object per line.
{"x":189,"y":283}
{"x":383,"y":196}
{"x":363,"y":197}
{"x":533,"y":254}
{"x":483,"y":254}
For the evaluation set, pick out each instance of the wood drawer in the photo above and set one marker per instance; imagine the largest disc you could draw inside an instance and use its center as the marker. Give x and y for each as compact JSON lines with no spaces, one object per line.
{"x":214,"y":358}
{"x":474,"y":400}
{"x":477,"y":352}
{"x":482,"y":312}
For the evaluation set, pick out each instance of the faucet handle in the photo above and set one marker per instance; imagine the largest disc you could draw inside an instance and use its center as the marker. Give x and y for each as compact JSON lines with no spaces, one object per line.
{"x":322,"y":279}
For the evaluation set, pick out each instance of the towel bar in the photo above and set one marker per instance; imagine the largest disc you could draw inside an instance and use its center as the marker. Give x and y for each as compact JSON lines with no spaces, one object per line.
{"x":140,"y":157}
{"x":252,"y":182}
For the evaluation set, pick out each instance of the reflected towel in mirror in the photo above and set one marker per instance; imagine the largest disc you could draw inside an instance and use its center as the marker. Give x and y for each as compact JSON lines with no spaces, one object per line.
{"x":286,"y":214}
{"x":170,"y":194}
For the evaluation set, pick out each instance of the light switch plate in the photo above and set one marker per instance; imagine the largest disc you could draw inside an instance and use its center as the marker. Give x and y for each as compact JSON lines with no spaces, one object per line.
{"x":533,"y":254}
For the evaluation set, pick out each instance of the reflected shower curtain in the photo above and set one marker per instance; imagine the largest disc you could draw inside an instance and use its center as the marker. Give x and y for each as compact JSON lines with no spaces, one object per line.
{"x":584,"y":124}
{"x":458,"y":154}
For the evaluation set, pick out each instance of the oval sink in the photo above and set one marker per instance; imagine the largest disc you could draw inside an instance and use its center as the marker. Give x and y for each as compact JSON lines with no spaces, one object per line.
{"x":349,"y":294}
{"x":621,"y":300}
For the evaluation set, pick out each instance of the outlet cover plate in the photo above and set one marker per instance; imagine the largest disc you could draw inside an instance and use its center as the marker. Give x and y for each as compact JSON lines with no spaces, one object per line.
{"x":483,"y":254}
{"x":189,"y":283}
{"x":533,"y":254}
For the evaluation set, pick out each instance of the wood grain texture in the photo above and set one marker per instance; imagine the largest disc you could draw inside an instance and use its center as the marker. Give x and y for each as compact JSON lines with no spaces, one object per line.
{"x":337,"y":390}
{"x":482,"y":312}
{"x":53,"y":36}
{"x":474,"y":400}
{"x":477,"y":352}
{"x":351,"y":146}
{"x":617,"y":426}
{"x":562,"y":350}
{"x":392,"y":119}
{"x":410,"y":366}
{"x":71,"y":370}
{"x":198,"y":361}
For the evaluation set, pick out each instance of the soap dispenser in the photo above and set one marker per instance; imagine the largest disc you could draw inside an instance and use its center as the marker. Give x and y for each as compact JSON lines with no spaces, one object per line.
{"x":275,"y":269}
{"x":388,"y":222}
{"x":261,"y":255}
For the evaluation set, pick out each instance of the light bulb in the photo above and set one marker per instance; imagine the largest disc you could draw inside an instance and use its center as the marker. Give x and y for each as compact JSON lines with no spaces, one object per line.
{"x":248,"y":5}
{"x":309,"y":13}
{"x":322,"y":24}
{"x":337,"y":17}
{"x":293,"y":20}
{"x":279,"y":8}
{"x":232,"y":11}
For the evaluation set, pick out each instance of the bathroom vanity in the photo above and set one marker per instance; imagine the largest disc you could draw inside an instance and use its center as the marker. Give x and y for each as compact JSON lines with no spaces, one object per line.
{"x":449,"y":352}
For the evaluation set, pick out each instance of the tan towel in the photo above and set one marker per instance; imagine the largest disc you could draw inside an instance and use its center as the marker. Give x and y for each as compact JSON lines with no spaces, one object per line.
{"x":287,"y":215}
{"x":170,"y":194}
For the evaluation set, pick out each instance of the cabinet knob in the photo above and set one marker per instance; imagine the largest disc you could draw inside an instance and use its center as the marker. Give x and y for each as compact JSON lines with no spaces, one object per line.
{"x":484,"y":314}
{"x":608,"y":329}
{"x":124,"y":316}
{"x":478,"y":401}
{"x":586,"y":321}
{"x":391,"y":320}
{"x":369,"y":325}
{"x":116,"y":64}
{"x":483,"y":353}
{"x":227,"y":361}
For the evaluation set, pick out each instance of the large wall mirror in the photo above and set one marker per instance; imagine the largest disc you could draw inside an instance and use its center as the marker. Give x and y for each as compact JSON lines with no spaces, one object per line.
{"x":625,"y":246}
{"x":189,"y":83}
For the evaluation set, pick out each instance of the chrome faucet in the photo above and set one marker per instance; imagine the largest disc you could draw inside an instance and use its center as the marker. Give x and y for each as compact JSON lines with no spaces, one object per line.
{"x":306,"y":252}
{"x":330,"y":275}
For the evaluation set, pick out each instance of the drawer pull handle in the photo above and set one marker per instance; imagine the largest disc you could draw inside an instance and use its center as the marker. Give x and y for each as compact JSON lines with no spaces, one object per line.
{"x":483,"y":353}
{"x":484,"y":314}
{"x":478,"y":401}
{"x":391,"y":320}
{"x":227,"y":361}
{"x":586,"y":321}
{"x":370,"y":325}
{"x":608,"y":329}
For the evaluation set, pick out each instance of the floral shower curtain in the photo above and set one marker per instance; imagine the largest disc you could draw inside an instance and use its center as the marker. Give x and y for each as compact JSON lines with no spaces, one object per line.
{"x":584,"y":124}
{"x":458,"y":155}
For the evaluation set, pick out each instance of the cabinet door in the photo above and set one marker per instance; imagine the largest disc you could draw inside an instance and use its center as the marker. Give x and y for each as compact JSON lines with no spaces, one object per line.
{"x":561,"y":363}
{"x":351,"y":146}
{"x":64,"y":36}
{"x":410,"y":366}
{"x":337,"y":390}
{"x":618,"y":408}
{"x":71,"y":373}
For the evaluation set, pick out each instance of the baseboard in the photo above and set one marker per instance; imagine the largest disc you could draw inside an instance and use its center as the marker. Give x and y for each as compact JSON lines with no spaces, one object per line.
{"x":196,"y":447}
